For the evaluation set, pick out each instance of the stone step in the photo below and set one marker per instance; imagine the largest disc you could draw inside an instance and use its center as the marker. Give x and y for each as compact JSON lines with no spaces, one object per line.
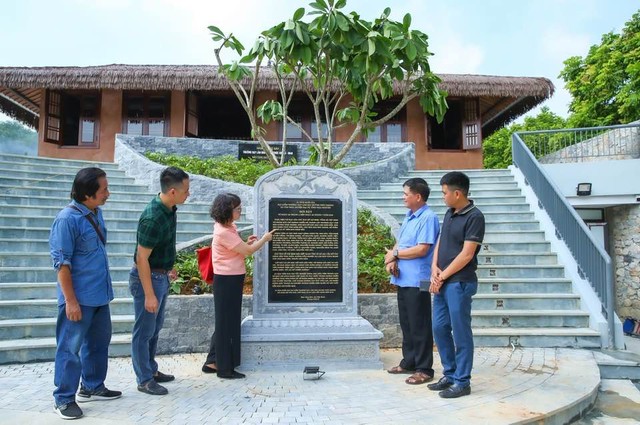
{"x":536,"y":337}
{"x":40,"y":160}
{"x":497,"y":208}
{"x":471,"y":173}
{"x":57,"y":168}
{"x":514,"y":247}
{"x":63,"y":193}
{"x":33,"y":309}
{"x":44,"y":349}
{"x":20,"y":201}
{"x":529,"y":318}
{"x":395,"y":193}
{"x":43,"y":259}
{"x":510,"y":258}
{"x":47,"y":274}
{"x":618,"y":364}
{"x":520,"y":271}
{"x":524,"y":286}
{"x":113,"y":234}
{"x":434,"y":184}
{"x":47,"y":290}
{"x":503,"y":301}
{"x":522,"y":236}
{"x":65,"y":183}
{"x":131,"y":223}
{"x":110,"y":212}
{"x":15,"y":329}
{"x":481,"y":201}
{"x":115,"y":177}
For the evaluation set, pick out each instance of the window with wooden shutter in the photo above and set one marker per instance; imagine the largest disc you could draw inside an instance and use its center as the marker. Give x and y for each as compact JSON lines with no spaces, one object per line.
{"x":471,"y":126}
{"x":192,"y":114}
{"x":53,"y":133}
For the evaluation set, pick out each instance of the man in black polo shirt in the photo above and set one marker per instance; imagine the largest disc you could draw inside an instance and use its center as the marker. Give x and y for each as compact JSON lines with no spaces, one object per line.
{"x":453,"y":283}
{"x":149,"y":278}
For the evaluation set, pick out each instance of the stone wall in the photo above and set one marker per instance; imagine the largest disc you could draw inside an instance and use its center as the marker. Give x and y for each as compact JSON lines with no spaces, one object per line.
{"x":380,"y":162}
{"x":618,"y":143}
{"x":624,"y":237}
{"x":189,"y":321}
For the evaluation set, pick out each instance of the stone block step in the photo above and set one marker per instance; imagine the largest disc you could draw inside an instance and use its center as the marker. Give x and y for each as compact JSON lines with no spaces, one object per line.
{"x":115,"y":177}
{"x":47,"y":290}
{"x":510,"y":258}
{"x":396,"y":208}
{"x":110,"y":212}
{"x":522,"y":236}
{"x":436,"y":190}
{"x":47,"y":274}
{"x":481,"y":200}
{"x":40,"y":160}
{"x":33,"y":309}
{"x":514,"y":246}
{"x":56,"y":168}
{"x":471,"y":173}
{"x":46,"y":327}
{"x":536,"y":337}
{"x":524,"y":286}
{"x":63,"y":193}
{"x":43,"y":259}
{"x":44,"y":349}
{"x":503,"y":301}
{"x":520,"y":271}
{"x":529,"y":318}
{"x":130,"y":223}
{"x":395,"y":193}
{"x":113,"y":234}
{"x":66,"y":183}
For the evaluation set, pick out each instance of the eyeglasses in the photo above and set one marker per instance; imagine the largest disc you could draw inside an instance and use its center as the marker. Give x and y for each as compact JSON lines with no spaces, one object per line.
{"x":238,"y":208}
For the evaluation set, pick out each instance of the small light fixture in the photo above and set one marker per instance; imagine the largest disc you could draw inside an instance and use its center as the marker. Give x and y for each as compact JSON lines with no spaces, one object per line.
{"x":311,"y":373}
{"x":583,"y":189}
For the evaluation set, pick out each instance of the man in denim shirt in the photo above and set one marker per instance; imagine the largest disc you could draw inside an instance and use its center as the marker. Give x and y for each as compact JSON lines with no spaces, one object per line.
{"x":83,"y":329}
{"x":154,"y":257}
{"x":409,"y":264}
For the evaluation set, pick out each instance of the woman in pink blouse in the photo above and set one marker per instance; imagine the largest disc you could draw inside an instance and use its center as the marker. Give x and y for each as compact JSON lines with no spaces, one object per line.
{"x":228,"y":251}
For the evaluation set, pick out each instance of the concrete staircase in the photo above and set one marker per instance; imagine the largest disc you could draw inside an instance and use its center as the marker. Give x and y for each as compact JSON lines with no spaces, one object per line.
{"x":33,"y":191}
{"x":524,"y":298}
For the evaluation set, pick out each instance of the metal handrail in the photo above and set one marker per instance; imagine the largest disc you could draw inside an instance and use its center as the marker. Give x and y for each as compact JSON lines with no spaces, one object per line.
{"x":584,"y":144}
{"x":594,"y":264}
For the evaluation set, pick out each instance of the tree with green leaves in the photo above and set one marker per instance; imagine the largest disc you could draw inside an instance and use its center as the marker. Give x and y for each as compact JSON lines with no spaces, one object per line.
{"x":605,"y":85}
{"x":497,"y":147}
{"x":342,"y":63}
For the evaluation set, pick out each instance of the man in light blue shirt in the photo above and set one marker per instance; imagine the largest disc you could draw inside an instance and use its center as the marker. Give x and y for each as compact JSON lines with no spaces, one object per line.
{"x":83,"y":330}
{"x":409,"y":263}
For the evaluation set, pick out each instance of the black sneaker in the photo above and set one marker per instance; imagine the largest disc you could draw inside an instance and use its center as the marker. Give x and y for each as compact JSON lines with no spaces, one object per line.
{"x":162,"y":377}
{"x":85,"y":395}
{"x":153,"y":388}
{"x":69,"y":410}
{"x":442,"y":384}
{"x":455,"y":391}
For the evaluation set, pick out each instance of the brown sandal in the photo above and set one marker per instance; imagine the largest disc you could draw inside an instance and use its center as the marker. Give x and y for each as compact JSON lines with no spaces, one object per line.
{"x":398,"y":369}
{"x":418,"y":378}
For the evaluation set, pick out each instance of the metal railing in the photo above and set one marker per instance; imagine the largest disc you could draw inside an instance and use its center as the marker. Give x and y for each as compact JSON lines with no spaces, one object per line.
{"x":594,"y":264}
{"x":584,"y":144}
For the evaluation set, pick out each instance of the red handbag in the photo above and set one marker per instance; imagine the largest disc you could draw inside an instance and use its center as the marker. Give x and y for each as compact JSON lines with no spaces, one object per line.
{"x":205,"y":264}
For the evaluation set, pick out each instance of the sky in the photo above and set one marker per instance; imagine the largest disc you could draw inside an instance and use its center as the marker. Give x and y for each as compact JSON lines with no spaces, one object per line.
{"x":493,"y":37}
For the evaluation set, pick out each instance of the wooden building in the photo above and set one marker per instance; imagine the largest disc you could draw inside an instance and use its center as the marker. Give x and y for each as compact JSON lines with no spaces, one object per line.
{"x":78,"y":110}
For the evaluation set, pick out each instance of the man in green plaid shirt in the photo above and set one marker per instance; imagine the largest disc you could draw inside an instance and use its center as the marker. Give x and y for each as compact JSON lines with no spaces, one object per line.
{"x":149,"y":278}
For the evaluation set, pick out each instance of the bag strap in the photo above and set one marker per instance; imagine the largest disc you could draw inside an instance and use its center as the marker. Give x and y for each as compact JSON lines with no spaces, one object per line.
{"x":93,"y":223}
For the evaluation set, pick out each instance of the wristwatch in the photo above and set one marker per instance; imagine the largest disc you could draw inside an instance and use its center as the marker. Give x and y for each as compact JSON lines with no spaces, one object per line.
{"x":395,"y":253}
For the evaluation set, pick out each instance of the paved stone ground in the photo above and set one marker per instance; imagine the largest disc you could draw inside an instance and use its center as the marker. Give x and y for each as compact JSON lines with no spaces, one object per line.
{"x":507,"y":387}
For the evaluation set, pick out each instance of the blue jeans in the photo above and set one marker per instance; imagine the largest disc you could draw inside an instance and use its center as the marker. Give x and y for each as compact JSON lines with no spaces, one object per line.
{"x":452,"y":314}
{"x":147,"y":326}
{"x":82,"y":351}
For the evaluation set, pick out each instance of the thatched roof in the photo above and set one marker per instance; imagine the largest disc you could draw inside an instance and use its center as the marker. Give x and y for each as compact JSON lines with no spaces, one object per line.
{"x":530,"y":91}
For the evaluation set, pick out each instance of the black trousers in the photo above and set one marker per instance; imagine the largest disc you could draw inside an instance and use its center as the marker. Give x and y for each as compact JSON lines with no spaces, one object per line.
{"x":414,"y":308}
{"x":224,"y":349}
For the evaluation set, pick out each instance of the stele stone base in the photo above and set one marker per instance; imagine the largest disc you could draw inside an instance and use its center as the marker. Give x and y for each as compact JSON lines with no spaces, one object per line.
{"x":305,"y":281}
